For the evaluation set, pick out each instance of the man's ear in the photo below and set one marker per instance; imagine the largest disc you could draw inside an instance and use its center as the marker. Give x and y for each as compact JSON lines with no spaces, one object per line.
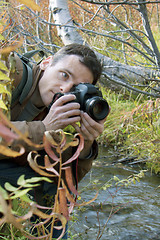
{"x":46,"y":62}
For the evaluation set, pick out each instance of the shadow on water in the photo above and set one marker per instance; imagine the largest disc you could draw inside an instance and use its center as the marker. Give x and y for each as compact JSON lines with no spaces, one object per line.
{"x":128,"y":213}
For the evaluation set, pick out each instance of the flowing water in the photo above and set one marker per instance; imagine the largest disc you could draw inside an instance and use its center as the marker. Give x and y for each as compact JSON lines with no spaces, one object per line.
{"x":124,"y":213}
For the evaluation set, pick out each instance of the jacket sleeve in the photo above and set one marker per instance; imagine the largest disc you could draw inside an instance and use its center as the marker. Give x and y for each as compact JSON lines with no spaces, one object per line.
{"x":33,"y":130}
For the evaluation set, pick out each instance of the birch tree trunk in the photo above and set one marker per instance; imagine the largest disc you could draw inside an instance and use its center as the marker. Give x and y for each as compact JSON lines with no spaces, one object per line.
{"x":62,"y":19}
{"x":114,"y":72}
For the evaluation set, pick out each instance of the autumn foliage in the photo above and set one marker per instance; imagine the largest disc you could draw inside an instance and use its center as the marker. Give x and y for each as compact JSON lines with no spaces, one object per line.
{"x":54,"y":143}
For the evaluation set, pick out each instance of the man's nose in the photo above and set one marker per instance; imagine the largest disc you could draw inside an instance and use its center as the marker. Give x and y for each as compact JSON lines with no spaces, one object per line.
{"x":66,"y":87}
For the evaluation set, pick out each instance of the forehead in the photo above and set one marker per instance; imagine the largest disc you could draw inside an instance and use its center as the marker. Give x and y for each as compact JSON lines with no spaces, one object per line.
{"x":67,"y":60}
{"x":72,"y":63}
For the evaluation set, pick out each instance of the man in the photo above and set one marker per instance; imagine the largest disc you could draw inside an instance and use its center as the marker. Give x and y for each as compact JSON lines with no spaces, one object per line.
{"x":71,"y":65}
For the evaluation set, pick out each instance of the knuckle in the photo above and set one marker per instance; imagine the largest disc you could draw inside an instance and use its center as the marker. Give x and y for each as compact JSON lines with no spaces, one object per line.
{"x":92,"y":125}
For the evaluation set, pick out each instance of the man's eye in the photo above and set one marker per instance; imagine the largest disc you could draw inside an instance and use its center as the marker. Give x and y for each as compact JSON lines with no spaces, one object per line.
{"x":64,"y":75}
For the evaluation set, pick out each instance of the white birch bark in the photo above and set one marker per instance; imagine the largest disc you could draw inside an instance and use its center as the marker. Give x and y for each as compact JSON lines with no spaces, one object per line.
{"x":62,"y":18}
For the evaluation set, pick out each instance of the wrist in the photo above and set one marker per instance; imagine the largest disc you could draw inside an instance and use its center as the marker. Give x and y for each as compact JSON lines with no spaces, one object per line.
{"x":87,"y":150}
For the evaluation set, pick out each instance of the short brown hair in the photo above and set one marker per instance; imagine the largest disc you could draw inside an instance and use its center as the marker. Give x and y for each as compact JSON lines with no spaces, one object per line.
{"x":87,"y":57}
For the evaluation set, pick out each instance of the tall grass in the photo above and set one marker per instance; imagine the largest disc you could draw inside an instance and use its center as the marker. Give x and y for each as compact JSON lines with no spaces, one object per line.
{"x":133,"y":126}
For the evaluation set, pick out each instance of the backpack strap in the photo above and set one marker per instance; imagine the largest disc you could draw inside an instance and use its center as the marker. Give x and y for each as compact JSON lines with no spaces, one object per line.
{"x":23,"y":88}
{"x":18,"y":90}
{"x":28,"y":83}
{"x":28,"y":55}
{"x":27,"y":111}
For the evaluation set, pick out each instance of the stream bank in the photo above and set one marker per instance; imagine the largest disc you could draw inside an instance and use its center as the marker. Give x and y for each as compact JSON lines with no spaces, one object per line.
{"x":128,"y":213}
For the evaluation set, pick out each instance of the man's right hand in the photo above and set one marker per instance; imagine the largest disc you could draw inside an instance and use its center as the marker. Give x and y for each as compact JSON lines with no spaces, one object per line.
{"x":62,"y":113}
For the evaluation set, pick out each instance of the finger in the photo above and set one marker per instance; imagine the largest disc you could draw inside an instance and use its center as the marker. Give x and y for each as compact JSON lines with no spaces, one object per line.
{"x":65,"y":111}
{"x":60,"y":119}
{"x":69,"y":121}
{"x":88,"y":132}
{"x":83,"y":131}
{"x":76,"y":127}
{"x":71,"y":106}
{"x":64,"y":99}
{"x":92,"y":126}
{"x":71,"y":113}
{"x":66,"y":108}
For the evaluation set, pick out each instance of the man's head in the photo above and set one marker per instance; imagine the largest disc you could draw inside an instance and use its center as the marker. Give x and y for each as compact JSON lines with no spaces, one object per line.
{"x":87,"y":57}
{"x":71,"y":65}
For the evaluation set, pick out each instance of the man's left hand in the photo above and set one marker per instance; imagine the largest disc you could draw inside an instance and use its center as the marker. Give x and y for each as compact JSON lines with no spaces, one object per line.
{"x":90,"y":130}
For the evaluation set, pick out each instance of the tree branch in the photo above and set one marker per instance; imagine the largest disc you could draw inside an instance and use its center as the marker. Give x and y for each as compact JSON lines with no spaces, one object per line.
{"x":125,"y":2}
{"x":117,"y":81}
{"x":146,"y":24}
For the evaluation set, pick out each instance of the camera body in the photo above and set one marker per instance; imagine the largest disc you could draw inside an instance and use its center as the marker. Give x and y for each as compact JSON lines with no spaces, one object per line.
{"x":90,"y":99}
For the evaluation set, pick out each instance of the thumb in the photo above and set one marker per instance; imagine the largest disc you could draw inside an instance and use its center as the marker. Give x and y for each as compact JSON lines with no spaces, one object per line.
{"x":76,"y":127}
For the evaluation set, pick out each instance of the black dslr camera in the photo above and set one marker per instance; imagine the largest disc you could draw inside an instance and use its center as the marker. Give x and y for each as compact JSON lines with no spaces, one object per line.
{"x":90,"y":99}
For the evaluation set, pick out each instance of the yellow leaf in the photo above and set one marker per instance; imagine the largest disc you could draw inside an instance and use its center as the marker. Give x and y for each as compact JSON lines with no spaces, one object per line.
{"x":3,"y":67}
{"x":2,"y":105}
{"x":33,"y":164}
{"x":3,"y":76}
{"x":10,"y":153}
{"x":31,"y":4}
{"x":134,"y":181}
{"x":86,"y":203}
{"x":12,"y":47}
{"x":4,"y":90}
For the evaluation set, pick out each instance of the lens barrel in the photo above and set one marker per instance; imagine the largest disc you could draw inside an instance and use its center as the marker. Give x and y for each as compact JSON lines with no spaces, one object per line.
{"x":97,"y":108}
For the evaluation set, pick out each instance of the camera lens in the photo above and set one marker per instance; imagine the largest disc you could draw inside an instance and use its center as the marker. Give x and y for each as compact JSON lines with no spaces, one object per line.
{"x":97,"y":108}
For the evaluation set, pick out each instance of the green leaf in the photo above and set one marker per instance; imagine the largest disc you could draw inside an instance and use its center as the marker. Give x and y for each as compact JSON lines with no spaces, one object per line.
{"x":116,"y":178}
{"x":26,"y":199}
{"x":46,"y":179}
{"x":20,"y":193}
{"x":9,"y":187}
{"x":30,"y":185}
{"x":106,"y":186}
{"x":137,"y":178}
{"x":37,"y":179}
{"x":21,"y":181}
{"x":4,"y":193}
{"x":134,"y":181}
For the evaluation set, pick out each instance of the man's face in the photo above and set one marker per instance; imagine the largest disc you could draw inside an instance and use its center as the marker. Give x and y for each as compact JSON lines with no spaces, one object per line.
{"x":62,"y":76}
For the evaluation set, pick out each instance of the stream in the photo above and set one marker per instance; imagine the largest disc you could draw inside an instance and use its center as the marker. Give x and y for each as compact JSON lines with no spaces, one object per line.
{"x":118,"y":213}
